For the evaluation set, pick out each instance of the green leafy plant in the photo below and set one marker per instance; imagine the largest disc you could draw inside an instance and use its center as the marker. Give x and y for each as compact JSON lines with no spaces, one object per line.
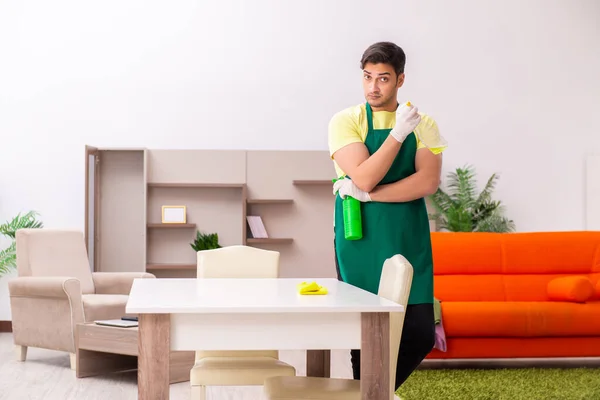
{"x":205,"y":241}
{"x":461,"y":209}
{"x":8,"y":256}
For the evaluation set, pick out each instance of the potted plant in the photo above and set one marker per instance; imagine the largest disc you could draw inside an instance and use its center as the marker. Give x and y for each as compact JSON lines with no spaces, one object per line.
{"x":461,"y":209}
{"x":205,"y":241}
{"x":8,"y":256}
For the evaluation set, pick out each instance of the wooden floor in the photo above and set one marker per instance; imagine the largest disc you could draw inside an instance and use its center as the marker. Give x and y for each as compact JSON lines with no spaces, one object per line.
{"x":46,"y":375}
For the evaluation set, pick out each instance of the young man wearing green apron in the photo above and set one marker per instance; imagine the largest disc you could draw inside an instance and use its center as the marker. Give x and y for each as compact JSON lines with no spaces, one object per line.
{"x":390,"y":170}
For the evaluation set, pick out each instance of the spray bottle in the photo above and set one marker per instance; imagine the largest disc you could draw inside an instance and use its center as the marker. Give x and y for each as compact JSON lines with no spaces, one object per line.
{"x":352,"y":217}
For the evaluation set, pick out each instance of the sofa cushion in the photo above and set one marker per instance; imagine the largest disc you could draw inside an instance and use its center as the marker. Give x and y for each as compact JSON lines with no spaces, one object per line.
{"x":578,"y":289}
{"x":511,"y":347}
{"x":104,"y":306}
{"x":574,"y":252}
{"x":467,"y":253}
{"x":555,"y":253}
{"x":497,"y":287}
{"x":520,"y":319}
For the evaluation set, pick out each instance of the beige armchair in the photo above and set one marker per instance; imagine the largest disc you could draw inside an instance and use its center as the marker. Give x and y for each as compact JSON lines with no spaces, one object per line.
{"x":394,"y":285}
{"x":55,"y":290}
{"x":236,"y":368}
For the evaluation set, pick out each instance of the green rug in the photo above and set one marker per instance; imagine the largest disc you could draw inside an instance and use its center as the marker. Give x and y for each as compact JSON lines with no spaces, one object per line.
{"x":503,"y":384}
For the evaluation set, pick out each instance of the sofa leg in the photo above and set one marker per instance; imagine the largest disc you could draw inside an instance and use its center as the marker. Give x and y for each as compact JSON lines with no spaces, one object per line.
{"x":73,"y":360}
{"x":21,"y":352}
{"x":198,"y":393}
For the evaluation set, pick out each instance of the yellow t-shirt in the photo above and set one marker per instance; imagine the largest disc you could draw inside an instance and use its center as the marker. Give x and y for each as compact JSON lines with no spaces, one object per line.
{"x":351,"y":126}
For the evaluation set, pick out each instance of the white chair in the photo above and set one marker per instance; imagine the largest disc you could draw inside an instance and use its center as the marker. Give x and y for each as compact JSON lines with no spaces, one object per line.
{"x":236,"y":368}
{"x":395,"y":284}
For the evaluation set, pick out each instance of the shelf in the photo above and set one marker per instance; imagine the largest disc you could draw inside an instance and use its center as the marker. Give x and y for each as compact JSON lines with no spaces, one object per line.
{"x":195,"y":185}
{"x":269,"y":240}
{"x":317,"y":182}
{"x":154,"y":267}
{"x":127,"y":187}
{"x":269,"y":201}
{"x":171,"y":226}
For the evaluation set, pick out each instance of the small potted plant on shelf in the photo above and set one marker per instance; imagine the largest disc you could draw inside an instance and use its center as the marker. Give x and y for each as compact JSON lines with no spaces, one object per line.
{"x":205,"y":241}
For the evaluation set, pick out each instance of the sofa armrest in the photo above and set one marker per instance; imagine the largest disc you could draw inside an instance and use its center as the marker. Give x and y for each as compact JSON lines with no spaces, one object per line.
{"x":45,"y":311}
{"x":117,"y":282}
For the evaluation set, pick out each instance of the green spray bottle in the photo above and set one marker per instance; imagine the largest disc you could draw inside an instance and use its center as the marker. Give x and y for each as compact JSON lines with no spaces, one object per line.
{"x":352,"y":217}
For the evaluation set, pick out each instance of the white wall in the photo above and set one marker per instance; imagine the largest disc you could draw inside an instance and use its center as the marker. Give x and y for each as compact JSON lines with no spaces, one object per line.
{"x":513,"y":85}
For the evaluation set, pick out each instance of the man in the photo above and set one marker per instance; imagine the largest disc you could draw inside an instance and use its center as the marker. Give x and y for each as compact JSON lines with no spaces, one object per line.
{"x":390,"y":171}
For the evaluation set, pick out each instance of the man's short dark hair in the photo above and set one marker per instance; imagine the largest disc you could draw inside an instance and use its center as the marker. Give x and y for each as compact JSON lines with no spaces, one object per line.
{"x":386,"y":53}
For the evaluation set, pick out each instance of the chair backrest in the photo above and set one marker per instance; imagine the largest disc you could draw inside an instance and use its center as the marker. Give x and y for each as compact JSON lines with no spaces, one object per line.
{"x":54,"y":252}
{"x":237,"y":261}
{"x":394,"y":285}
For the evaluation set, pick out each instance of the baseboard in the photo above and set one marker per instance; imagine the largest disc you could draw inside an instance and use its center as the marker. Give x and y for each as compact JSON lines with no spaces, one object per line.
{"x":5,"y":326}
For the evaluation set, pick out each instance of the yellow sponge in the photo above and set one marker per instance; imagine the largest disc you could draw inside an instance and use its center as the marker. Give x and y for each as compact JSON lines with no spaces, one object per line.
{"x":311,"y":288}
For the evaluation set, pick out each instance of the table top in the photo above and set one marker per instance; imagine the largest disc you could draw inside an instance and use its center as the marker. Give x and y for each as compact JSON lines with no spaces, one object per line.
{"x":228,"y":295}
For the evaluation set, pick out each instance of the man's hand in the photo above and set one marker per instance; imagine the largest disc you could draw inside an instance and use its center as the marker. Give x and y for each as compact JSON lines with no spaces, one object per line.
{"x":345,"y":187}
{"x":407,"y":119}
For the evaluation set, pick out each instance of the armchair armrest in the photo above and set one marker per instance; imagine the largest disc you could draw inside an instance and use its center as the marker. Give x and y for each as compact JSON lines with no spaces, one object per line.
{"x":117,"y":282}
{"x":60,"y":287}
{"x":45,"y":311}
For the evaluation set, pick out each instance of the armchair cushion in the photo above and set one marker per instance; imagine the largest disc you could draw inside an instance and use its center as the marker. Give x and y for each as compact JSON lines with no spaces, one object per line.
{"x":104,"y":306}
{"x":117,"y":282}
{"x":49,"y":252}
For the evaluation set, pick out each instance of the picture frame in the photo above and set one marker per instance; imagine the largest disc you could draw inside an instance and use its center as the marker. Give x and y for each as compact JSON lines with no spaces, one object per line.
{"x":174,"y":214}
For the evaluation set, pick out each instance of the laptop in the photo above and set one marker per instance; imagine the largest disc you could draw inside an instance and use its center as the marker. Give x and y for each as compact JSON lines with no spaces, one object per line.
{"x":119,"y":323}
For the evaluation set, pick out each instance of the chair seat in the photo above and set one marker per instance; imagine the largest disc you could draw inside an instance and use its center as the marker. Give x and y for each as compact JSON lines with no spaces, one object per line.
{"x":104,"y":306}
{"x":311,"y":388}
{"x":225,"y":371}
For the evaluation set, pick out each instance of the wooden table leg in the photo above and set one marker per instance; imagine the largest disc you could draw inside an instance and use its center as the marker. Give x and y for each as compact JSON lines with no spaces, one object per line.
{"x":375,"y":356}
{"x":318,"y":363}
{"x":154,"y":349}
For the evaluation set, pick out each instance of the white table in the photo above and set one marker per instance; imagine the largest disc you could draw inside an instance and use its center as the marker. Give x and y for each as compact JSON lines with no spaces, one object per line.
{"x":257,"y":314}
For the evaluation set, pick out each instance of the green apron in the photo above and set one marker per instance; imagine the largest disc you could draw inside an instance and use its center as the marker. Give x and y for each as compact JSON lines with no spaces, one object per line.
{"x":388,"y":229}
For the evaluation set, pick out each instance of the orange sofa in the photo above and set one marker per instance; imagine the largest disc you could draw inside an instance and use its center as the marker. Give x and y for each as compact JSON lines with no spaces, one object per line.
{"x":517,"y":295}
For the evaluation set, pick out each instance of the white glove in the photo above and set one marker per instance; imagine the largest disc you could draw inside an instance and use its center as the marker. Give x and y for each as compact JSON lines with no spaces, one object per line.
{"x":338,"y":184}
{"x":407,"y":119}
{"x":345,"y":187}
